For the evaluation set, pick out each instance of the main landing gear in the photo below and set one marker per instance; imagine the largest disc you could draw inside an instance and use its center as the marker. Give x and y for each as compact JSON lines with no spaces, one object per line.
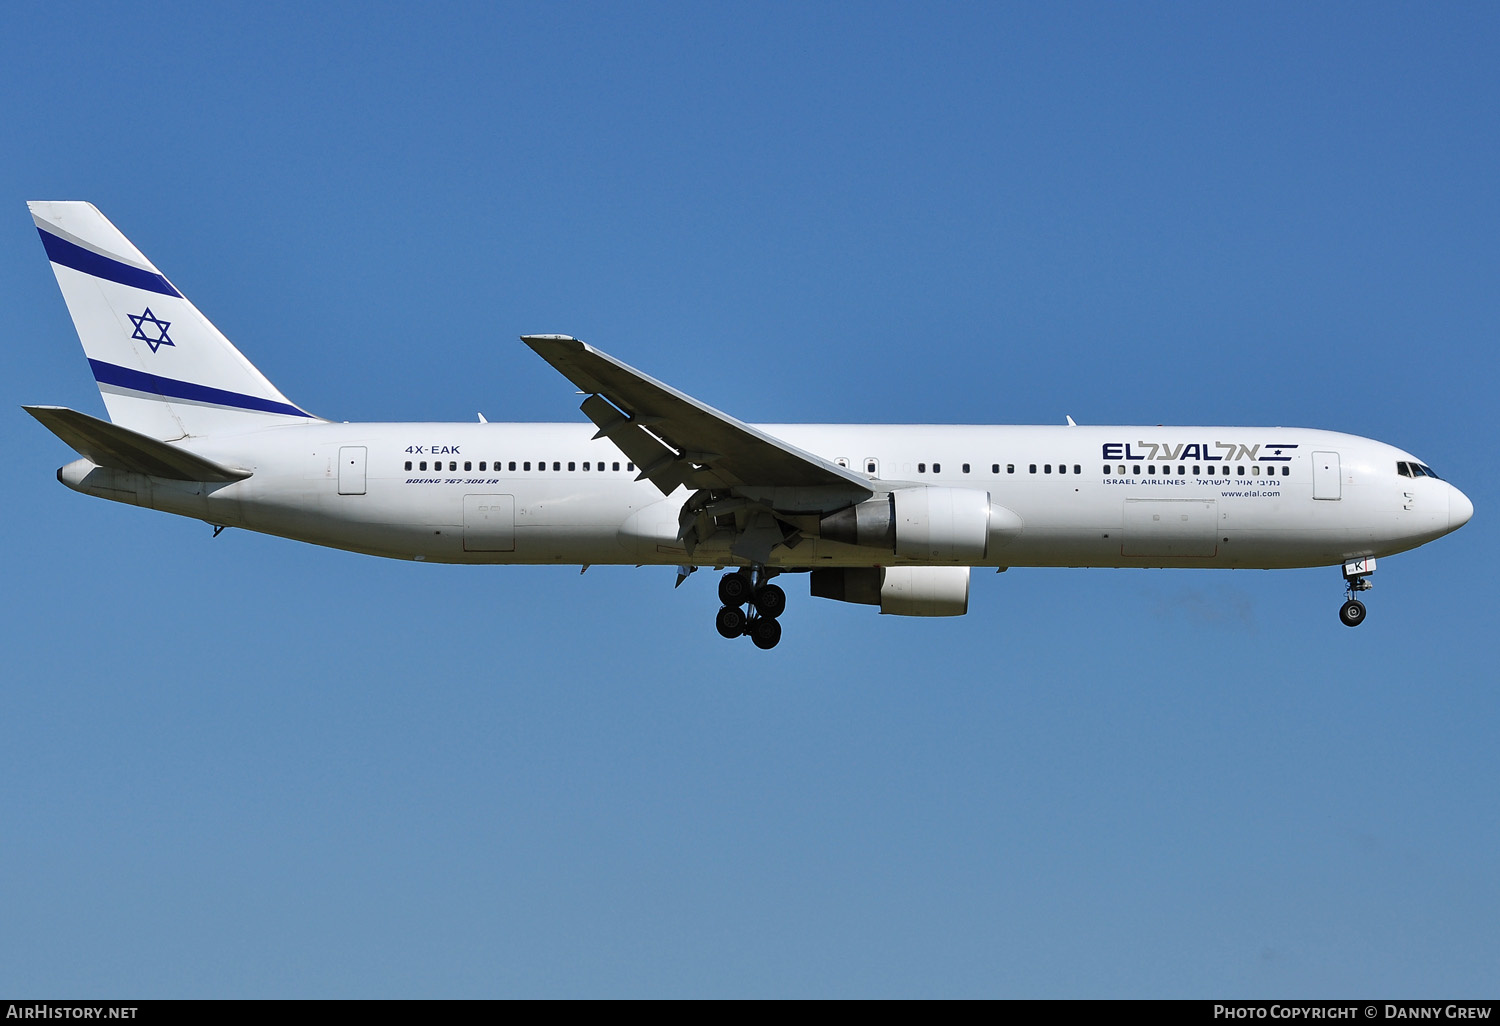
{"x":1356,"y":579}
{"x":767,"y":602}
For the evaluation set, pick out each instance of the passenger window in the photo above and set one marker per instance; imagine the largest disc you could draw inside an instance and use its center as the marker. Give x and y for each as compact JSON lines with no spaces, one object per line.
{"x":1010,"y":468}
{"x":572,"y":465}
{"x":1106,"y":468}
{"x":1136,"y":469}
{"x":994,"y":468}
{"x":617,"y":464}
{"x":1151,"y":469}
{"x":482,"y":465}
{"x":556,"y":465}
{"x":512,"y":464}
{"x":1196,"y":470}
{"x":870,"y":467}
{"x":937,"y":468}
{"x":526,"y":465}
{"x":408,"y":464}
{"x":630,"y":467}
{"x":1181,"y":471}
{"x":468,"y":465}
{"x":1047,"y":469}
{"x":1077,"y":468}
{"x":424,"y":464}
{"x":921,"y":468}
{"x":1285,"y":471}
{"x":1062,"y":468}
{"x":1241,"y":473}
{"x":1033,"y":468}
{"x":1122,"y":470}
{"x":966,"y":468}
{"x":585,"y":464}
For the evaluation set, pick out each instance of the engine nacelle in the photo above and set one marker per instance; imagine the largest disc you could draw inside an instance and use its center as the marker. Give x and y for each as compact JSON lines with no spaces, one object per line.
{"x":942,"y":525}
{"x":872,"y":524}
{"x":931,"y":524}
{"x":898,"y":590}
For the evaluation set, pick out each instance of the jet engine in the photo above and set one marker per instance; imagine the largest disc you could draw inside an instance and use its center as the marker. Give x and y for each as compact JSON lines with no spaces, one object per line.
{"x":931,"y":524}
{"x":898,"y":590}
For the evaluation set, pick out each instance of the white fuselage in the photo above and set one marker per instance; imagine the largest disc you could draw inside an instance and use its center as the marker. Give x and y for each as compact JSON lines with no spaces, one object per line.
{"x":551,"y":493}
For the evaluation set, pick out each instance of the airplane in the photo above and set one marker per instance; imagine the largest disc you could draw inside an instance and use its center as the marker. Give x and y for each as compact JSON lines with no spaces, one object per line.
{"x":894,"y":516}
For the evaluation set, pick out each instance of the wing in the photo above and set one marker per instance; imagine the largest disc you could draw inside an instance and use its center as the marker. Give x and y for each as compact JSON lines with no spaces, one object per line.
{"x":676,"y":440}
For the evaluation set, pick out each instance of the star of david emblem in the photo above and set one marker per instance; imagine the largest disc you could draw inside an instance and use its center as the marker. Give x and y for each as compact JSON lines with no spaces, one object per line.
{"x":158,"y":327}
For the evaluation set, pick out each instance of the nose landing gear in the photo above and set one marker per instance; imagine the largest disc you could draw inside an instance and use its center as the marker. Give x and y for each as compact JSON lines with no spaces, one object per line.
{"x":767,"y":602}
{"x":1356,"y":579}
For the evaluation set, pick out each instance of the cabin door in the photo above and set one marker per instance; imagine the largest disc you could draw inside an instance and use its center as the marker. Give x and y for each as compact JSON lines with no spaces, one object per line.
{"x":1326,"y":475}
{"x":352,"y":470}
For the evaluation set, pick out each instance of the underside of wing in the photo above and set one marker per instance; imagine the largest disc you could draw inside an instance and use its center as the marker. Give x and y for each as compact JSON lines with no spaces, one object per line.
{"x":677,"y":440}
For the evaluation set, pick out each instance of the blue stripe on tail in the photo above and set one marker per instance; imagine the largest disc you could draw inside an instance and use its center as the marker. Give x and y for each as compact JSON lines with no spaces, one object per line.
{"x":61,"y":251}
{"x":140,"y":381}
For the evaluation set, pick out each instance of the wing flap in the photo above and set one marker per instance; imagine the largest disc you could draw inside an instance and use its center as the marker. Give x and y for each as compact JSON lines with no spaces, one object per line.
{"x":656,"y":462}
{"x":119,"y":448}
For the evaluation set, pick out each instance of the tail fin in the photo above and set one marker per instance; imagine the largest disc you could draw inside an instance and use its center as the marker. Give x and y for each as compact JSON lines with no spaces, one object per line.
{"x":163,"y":369}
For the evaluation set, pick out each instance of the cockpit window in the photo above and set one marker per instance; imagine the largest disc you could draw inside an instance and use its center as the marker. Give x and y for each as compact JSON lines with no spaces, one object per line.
{"x":1406,"y":469}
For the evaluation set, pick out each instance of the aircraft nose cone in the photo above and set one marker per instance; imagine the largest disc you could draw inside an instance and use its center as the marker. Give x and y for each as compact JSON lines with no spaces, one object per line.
{"x":1460,"y":509}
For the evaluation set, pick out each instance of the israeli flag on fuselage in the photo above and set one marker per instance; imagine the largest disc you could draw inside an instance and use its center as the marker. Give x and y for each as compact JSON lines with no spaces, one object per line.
{"x":163,"y":369}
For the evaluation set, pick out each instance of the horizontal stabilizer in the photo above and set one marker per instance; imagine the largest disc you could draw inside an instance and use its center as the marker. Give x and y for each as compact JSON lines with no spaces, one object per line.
{"x":119,"y":448}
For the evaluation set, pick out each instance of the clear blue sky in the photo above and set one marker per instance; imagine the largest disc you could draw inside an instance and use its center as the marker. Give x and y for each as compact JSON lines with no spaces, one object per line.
{"x":244,"y":767}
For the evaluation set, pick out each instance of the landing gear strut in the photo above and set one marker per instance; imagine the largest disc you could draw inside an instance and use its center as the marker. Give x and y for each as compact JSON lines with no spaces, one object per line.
{"x":767,"y":602}
{"x":1356,"y":579}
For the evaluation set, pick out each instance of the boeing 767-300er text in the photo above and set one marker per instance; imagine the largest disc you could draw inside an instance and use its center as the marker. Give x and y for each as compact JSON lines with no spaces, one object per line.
{"x":891,"y":516}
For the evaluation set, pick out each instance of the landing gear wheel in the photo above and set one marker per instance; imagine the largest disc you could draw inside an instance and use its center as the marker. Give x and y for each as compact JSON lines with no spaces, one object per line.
{"x":770,"y":601}
{"x":734,"y":589}
{"x":765,"y":632}
{"x":1352,"y":613}
{"x":730,"y":622}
